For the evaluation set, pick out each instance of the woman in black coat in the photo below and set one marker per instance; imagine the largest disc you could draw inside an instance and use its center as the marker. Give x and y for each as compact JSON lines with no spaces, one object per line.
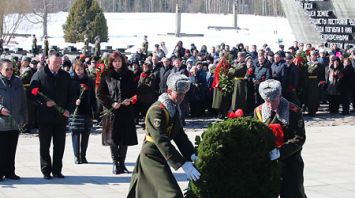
{"x":115,"y":92}
{"x":80,"y":122}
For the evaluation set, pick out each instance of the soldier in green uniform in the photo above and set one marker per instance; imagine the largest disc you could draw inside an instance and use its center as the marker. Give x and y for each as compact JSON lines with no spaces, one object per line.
{"x":315,"y":74}
{"x":286,"y":121}
{"x":240,"y":84}
{"x":34,"y":45}
{"x":46,"y":46}
{"x":152,"y":176}
{"x":145,"y":45}
{"x":97,"y":52}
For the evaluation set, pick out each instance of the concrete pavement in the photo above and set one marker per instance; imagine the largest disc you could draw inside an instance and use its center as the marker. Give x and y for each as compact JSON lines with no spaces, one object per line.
{"x":328,"y":154}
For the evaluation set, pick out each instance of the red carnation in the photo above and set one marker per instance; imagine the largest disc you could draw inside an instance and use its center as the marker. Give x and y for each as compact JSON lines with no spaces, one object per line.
{"x":35,"y":91}
{"x":144,"y":75}
{"x":84,"y":86}
{"x":278,"y":132}
{"x":250,"y":71}
{"x":239,"y":113}
{"x":134,"y":99}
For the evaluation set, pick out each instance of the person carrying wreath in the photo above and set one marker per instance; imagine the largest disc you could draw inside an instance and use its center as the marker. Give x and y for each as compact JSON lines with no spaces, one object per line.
{"x":152,"y":176}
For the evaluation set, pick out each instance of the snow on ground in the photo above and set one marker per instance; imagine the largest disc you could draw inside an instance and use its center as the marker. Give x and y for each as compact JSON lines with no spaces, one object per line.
{"x":129,"y":28}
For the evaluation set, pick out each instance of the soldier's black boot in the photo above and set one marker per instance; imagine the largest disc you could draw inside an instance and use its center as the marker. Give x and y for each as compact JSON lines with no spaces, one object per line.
{"x":115,"y":156}
{"x":76,"y":147}
{"x":84,"y":146}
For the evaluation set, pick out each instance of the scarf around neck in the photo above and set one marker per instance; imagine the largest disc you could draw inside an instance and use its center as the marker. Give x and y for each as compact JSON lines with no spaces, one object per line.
{"x":282,"y":112}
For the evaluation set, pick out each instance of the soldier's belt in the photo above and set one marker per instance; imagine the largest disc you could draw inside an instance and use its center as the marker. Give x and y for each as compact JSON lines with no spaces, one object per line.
{"x":26,"y":85}
{"x":312,"y":77}
{"x":239,"y":78}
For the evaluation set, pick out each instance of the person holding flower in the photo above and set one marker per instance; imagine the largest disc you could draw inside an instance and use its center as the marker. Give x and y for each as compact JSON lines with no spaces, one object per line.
{"x":116,"y":93}
{"x":80,"y":122}
{"x":52,"y":88}
{"x":13,"y":113}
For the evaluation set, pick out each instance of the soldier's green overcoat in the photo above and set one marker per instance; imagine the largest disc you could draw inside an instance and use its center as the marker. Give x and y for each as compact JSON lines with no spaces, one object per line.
{"x":240,"y":87}
{"x":290,"y":151}
{"x":152,"y":176}
{"x":315,"y":74}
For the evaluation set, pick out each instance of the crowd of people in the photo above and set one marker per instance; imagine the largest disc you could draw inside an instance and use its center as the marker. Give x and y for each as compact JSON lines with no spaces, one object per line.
{"x":50,"y":92}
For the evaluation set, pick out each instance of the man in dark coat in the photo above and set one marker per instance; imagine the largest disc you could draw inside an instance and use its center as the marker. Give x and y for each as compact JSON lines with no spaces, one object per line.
{"x":262,"y":72}
{"x":56,"y":84}
{"x":285,"y":118}
{"x":164,"y":73}
{"x":152,"y":176}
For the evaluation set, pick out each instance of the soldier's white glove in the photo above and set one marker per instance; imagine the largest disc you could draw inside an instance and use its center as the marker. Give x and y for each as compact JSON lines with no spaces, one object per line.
{"x":191,"y":172}
{"x":274,"y":154}
{"x":194,"y":157}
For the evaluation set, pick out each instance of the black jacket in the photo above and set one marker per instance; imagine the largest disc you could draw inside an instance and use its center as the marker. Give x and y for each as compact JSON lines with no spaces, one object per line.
{"x":118,"y":129}
{"x":57,"y":88}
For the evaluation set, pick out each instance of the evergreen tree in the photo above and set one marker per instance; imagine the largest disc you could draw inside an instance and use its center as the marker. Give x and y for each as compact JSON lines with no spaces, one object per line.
{"x":85,"y":17}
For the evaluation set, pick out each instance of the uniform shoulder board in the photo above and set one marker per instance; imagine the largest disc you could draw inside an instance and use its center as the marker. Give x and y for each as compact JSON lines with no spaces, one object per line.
{"x":293,"y":107}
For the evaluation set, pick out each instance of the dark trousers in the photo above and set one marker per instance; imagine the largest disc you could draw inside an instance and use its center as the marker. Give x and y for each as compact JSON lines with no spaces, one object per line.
{"x":46,"y":133}
{"x":80,"y":141}
{"x":334,"y":101}
{"x":8,"y":145}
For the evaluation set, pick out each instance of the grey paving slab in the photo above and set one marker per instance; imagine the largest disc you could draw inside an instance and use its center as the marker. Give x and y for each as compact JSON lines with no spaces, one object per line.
{"x":328,"y":155}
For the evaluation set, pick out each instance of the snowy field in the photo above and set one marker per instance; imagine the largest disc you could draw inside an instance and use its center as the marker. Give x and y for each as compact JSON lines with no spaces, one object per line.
{"x":129,"y":28}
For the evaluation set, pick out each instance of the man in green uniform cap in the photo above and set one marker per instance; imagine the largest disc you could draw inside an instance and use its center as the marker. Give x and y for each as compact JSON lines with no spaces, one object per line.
{"x":286,"y":121}
{"x":152,"y":176}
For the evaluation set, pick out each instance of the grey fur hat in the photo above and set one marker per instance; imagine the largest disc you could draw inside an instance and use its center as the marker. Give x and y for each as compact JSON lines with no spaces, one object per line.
{"x":178,"y":82}
{"x":269,"y":89}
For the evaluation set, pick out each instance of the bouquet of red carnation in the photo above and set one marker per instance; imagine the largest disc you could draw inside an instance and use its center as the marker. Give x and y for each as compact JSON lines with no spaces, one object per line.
{"x":278,"y":132}
{"x":237,"y":114}
{"x":83,"y":87}
{"x":35,"y":92}
{"x":144,"y":75}
{"x":105,"y":112}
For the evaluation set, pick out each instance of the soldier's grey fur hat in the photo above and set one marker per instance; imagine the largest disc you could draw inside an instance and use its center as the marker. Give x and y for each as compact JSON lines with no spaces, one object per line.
{"x":270,"y":89}
{"x":178,"y":82}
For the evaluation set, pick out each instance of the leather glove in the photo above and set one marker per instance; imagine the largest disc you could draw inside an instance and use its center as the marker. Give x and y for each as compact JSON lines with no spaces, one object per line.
{"x":191,"y":172}
{"x":274,"y":154}
{"x":194,"y":157}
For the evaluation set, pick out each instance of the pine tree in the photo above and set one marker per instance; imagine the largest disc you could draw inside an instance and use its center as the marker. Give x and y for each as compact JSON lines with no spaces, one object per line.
{"x":85,"y":17}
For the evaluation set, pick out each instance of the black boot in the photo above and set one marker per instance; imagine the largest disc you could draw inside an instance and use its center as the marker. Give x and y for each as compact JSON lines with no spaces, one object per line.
{"x":122,"y":152}
{"x":115,"y":156}
{"x":76,"y":147}
{"x":84,"y":146}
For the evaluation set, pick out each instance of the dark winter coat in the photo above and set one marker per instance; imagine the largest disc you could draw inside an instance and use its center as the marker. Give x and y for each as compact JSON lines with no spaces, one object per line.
{"x":57,"y":88}
{"x":82,"y":120}
{"x":119,"y":127}
{"x":146,"y":88}
{"x":164,"y":73}
{"x":12,"y":97}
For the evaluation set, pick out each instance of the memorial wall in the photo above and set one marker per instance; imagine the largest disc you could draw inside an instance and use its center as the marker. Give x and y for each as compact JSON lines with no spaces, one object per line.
{"x":325,"y":25}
